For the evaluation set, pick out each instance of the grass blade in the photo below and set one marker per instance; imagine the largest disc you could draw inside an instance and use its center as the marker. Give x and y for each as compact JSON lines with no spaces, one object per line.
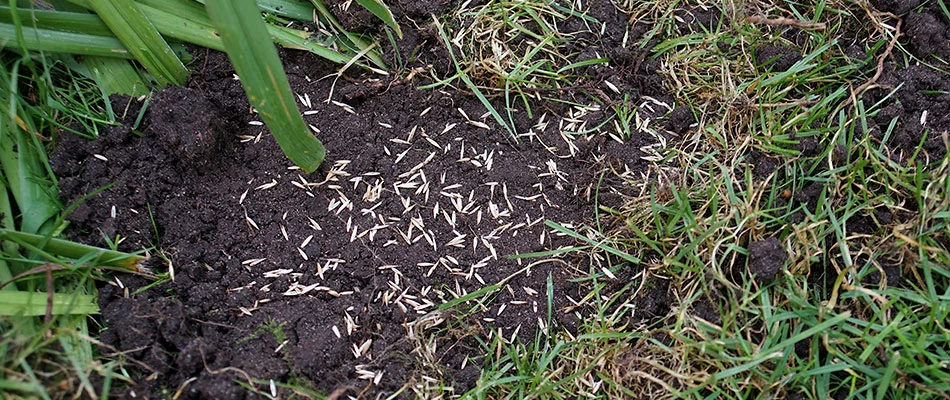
{"x":296,"y":9}
{"x":115,"y":75}
{"x":297,"y":39}
{"x":600,"y":245}
{"x":255,"y":59}
{"x":352,"y":41}
{"x":184,"y":20}
{"x":130,"y":25}
{"x":188,"y":22}
{"x":73,"y":250}
{"x":6,"y":220}
{"x":381,"y":11}
{"x":471,"y":85}
{"x":89,"y":24}
{"x":22,"y":161}
{"x":20,"y":303}
{"x":62,"y":42}
{"x":182,"y":26}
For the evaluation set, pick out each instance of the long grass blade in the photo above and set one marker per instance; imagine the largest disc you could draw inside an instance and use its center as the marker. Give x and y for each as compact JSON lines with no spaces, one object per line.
{"x":600,"y":245}
{"x":182,"y":25}
{"x":34,"y":39}
{"x":89,"y":24}
{"x":255,"y":59}
{"x":297,"y":39}
{"x":471,"y":85}
{"x":73,"y":250}
{"x":21,"y":303}
{"x":352,"y":41}
{"x":381,"y":11}
{"x":6,"y":220}
{"x":189,"y":22}
{"x":22,"y":161}
{"x":116,"y":75}
{"x":295,"y":9}
{"x":139,"y":35}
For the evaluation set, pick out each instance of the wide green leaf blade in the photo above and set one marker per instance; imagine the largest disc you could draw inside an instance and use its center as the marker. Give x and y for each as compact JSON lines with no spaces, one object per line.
{"x":62,"y":42}
{"x":115,"y":75}
{"x":56,"y":20}
{"x":22,"y":161}
{"x":96,"y":256}
{"x":296,"y":9}
{"x":184,"y":20}
{"x":381,"y":11}
{"x":255,"y":59}
{"x":293,"y":9}
{"x":188,"y":22}
{"x":21,"y":303}
{"x":197,"y":30}
{"x":297,"y":39}
{"x":142,"y":39}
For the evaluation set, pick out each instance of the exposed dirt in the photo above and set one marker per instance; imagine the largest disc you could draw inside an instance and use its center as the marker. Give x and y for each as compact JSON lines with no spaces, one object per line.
{"x":922,"y":109}
{"x":766,"y":258}
{"x":318,"y":279}
{"x":775,"y":59}
{"x":921,"y":112}
{"x":322,"y":280}
{"x":926,"y":27}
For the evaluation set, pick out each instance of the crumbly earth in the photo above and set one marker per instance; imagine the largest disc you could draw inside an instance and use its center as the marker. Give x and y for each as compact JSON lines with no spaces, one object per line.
{"x":326,"y":280}
{"x":766,"y":258}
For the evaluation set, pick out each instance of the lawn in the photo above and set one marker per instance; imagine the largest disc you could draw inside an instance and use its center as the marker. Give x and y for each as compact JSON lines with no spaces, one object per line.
{"x":475,"y":199}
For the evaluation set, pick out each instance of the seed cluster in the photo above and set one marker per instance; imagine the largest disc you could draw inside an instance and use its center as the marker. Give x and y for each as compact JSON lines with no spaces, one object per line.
{"x":412,"y":202}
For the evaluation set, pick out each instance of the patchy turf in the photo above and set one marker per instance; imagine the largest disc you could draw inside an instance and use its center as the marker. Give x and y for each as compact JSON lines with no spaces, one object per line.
{"x":421,"y":200}
{"x":745,"y":200}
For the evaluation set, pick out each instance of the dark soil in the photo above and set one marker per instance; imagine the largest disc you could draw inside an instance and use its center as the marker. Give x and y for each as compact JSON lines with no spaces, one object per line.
{"x":926,"y":28}
{"x":320,"y":279}
{"x":922,"y":106}
{"x":775,"y":58}
{"x":766,"y":258}
{"x":317,"y":279}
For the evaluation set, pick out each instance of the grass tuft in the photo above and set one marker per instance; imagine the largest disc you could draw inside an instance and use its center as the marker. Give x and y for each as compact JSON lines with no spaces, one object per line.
{"x":788,"y":157}
{"x":515,"y":51}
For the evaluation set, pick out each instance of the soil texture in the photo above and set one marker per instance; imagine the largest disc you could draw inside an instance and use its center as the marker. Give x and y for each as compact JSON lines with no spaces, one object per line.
{"x":330,"y":280}
{"x":766,"y":258}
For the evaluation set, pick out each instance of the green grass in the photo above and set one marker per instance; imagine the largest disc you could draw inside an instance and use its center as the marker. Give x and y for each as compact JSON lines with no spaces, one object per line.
{"x":47,"y":289}
{"x":276,"y":329}
{"x":828,"y":325}
{"x":512,"y":51}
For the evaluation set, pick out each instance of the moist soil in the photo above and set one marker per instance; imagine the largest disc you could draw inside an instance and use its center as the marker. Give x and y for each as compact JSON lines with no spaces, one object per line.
{"x":332,"y":280}
{"x":326,"y":280}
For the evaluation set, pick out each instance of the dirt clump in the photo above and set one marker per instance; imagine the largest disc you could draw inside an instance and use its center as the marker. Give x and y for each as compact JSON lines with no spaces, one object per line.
{"x":766,"y":258}
{"x":775,"y":58}
{"x":925,"y":28}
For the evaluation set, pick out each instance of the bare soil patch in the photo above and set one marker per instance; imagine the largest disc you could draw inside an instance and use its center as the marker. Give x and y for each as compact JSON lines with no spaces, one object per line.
{"x":313,"y":279}
{"x":316,"y":279}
